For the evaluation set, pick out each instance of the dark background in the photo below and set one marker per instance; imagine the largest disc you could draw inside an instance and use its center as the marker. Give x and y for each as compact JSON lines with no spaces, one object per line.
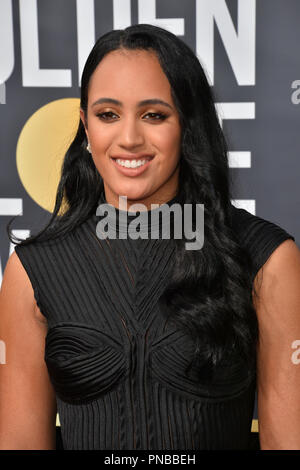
{"x":269,"y":188}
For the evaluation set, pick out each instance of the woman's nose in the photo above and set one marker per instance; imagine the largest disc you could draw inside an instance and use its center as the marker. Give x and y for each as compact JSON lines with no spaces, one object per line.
{"x":130,"y":133}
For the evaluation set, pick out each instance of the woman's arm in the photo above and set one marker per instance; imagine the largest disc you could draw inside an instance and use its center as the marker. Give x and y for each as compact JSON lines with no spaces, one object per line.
{"x":27,"y":398}
{"x":278,"y":380}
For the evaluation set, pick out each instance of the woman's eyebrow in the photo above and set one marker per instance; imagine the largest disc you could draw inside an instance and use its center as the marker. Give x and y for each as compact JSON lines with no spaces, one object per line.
{"x":140,"y":103}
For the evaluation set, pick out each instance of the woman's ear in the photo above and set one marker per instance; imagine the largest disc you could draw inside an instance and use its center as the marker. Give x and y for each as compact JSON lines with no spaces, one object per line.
{"x":82,"y":117}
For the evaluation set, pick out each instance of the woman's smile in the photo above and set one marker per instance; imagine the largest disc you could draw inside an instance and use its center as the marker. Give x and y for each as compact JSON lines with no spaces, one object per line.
{"x":132,"y":167}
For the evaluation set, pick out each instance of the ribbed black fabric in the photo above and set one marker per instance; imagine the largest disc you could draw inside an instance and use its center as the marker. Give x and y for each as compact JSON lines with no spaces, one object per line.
{"x":115,"y":363}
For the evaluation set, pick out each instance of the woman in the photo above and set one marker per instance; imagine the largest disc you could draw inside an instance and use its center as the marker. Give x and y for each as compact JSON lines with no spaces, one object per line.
{"x":141,"y":343}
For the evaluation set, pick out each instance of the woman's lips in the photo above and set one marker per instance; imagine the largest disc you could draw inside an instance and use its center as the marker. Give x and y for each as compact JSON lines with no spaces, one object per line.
{"x":133,"y":171}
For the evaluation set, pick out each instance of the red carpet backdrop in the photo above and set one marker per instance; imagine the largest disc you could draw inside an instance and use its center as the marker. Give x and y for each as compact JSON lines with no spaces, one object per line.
{"x":249,"y":50}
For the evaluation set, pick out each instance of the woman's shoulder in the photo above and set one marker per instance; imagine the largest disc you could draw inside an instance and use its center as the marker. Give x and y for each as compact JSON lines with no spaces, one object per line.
{"x":52,"y":239}
{"x":258,"y":235}
{"x":51,"y":250}
{"x":34,"y":247}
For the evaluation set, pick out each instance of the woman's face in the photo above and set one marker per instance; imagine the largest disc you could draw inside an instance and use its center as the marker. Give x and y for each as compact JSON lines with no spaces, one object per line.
{"x":130,"y":130}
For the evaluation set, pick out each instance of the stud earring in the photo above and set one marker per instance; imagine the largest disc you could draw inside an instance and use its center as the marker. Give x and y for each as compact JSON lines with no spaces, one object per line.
{"x":88,"y":147}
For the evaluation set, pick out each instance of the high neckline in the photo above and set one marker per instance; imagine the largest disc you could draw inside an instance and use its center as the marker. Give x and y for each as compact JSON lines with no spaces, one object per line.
{"x":149,"y":220}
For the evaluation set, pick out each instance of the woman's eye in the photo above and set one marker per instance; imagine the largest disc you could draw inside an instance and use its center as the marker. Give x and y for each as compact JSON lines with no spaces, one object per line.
{"x":105,"y":115}
{"x":154,"y":116}
{"x":158,"y":116}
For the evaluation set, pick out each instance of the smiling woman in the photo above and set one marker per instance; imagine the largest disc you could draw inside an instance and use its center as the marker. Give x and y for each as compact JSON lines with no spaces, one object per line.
{"x":149,"y":345}
{"x":135,"y":142}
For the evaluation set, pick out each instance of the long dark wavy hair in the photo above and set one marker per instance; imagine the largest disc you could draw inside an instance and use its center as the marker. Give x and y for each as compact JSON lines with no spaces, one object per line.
{"x":210,"y":292}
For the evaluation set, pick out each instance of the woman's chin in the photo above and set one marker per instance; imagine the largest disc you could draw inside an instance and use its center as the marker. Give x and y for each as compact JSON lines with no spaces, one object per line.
{"x":131,"y":195}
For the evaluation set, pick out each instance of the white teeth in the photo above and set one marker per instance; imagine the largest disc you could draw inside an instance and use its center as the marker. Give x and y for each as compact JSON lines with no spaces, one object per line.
{"x":131,"y":163}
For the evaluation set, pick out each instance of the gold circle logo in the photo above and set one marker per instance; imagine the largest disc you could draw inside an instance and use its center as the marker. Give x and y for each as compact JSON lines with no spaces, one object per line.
{"x":41,"y":148}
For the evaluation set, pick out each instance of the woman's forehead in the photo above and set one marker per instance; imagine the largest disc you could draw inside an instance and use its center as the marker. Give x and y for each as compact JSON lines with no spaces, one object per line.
{"x":129,"y":73}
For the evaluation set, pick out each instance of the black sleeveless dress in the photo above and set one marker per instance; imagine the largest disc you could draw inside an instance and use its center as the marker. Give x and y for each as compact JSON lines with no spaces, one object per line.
{"x":117,"y":366}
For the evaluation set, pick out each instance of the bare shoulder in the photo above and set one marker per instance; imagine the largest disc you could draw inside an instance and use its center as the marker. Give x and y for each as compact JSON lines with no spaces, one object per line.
{"x":278,"y":287}
{"x":286,"y":252}
{"x":278,"y":312}
{"x":281,"y":269}
{"x":28,"y":401}
{"x":15,"y":278}
{"x":16,"y":287}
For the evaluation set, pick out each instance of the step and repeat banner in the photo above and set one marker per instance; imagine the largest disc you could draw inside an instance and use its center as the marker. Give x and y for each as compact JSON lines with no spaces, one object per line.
{"x":249,"y":50}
